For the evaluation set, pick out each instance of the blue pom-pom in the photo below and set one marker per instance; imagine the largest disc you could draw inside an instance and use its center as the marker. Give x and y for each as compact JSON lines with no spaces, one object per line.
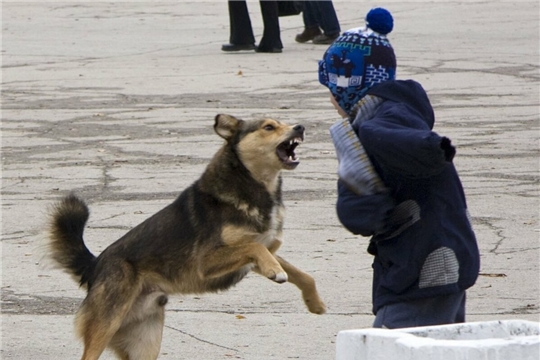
{"x":380,"y":20}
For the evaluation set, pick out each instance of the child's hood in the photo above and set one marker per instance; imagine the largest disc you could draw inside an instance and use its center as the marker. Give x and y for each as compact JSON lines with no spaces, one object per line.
{"x":400,"y":136}
{"x":408,"y":92}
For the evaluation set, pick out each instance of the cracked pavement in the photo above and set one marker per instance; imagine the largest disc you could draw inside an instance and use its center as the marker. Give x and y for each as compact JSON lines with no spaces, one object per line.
{"x":116,"y":102}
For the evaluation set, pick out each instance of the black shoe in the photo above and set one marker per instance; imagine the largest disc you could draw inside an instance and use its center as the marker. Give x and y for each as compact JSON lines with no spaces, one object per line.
{"x":270,"y":50}
{"x":325,"y":39}
{"x":308,"y":34}
{"x":235,"y":47}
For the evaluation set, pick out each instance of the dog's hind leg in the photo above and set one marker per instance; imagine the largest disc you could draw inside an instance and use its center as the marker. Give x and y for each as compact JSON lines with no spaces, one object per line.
{"x":139,"y":338}
{"x":103,"y":311}
{"x":306,"y":284}
{"x":97,"y":330}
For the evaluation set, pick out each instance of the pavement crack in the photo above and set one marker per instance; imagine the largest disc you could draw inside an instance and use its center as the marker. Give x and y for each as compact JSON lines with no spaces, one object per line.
{"x":199,"y":339}
{"x":14,"y":236}
{"x":488,"y":222}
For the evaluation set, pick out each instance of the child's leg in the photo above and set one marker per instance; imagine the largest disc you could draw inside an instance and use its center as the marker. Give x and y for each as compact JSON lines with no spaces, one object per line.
{"x":446,"y":309}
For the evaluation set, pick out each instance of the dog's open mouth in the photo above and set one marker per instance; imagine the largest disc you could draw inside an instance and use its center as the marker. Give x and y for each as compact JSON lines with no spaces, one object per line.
{"x":285,"y":152}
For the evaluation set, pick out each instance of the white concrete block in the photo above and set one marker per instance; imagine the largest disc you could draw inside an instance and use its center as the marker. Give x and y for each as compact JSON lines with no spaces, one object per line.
{"x":492,"y":340}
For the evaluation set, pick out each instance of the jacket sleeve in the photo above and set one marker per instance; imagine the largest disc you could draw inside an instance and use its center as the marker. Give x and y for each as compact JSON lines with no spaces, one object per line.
{"x":400,"y":147}
{"x":363,"y":215}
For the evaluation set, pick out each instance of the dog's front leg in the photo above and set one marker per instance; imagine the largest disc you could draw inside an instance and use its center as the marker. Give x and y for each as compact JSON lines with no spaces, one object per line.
{"x":229,"y":258}
{"x":306,"y":284}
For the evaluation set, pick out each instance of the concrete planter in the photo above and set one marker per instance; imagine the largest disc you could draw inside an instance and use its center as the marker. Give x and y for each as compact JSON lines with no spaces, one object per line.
{"x":492,"y":340}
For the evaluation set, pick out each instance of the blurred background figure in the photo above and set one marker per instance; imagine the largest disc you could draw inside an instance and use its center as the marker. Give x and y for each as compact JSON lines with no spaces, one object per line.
{"x":321,"y":24}
{"x":241,"y":32}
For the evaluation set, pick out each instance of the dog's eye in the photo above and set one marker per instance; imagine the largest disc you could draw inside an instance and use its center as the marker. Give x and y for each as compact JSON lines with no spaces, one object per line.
{"x":269,"y":128}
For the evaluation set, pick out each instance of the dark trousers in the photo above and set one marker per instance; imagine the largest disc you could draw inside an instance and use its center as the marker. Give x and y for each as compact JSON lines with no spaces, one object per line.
{"x":439,"y":310}
{"x":321,"y":14}
{"x":242,"y":32}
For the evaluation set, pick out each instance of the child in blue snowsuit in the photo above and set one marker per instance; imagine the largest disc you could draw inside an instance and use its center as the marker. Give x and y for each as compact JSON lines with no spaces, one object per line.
{"x":397,"y":183}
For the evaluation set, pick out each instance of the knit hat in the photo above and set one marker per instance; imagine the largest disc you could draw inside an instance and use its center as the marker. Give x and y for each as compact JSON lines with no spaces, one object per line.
{"x":359,"y":59}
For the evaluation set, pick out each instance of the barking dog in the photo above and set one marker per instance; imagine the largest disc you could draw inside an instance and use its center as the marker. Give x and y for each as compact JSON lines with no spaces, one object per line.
{"x":225,"y":224}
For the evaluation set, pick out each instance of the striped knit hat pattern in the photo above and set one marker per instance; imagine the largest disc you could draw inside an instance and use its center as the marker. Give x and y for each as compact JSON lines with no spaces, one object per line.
{"x":359,"y":59}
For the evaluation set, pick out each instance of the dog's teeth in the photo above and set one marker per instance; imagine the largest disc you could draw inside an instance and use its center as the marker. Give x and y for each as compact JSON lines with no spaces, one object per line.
{"x":295,"y":141}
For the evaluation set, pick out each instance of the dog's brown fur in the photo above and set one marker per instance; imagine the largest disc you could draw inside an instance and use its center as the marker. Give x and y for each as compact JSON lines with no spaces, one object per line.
{"x":225,"y":224}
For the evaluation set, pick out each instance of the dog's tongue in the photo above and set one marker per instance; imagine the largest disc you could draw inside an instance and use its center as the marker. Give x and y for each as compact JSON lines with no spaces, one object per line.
{"x":290,"y":160}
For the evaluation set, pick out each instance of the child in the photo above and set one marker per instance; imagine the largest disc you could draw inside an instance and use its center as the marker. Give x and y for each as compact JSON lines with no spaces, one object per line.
{"x":397,"y":183}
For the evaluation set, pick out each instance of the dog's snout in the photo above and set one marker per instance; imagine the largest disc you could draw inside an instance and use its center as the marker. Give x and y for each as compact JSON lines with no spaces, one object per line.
{"x":299,"y":128}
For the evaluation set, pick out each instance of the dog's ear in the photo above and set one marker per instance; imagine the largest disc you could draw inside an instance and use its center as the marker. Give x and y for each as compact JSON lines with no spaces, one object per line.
{"x":226,"y":125}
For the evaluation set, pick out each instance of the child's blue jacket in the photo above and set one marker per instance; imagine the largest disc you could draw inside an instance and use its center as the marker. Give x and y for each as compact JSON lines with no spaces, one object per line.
{"x":422,"y":237}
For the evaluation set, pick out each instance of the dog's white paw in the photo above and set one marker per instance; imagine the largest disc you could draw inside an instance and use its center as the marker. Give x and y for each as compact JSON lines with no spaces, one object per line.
{"x":281,"y":277}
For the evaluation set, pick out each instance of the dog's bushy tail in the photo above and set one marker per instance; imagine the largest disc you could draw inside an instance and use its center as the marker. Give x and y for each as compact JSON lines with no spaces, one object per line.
{"x":67,"y":248}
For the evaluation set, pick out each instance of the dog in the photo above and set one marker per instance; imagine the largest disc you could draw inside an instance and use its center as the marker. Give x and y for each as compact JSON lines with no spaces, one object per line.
{"x":227,"y":223}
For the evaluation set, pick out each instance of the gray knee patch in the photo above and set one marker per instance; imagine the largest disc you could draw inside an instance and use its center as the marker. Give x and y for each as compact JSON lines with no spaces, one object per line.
{"x":440,"y":268}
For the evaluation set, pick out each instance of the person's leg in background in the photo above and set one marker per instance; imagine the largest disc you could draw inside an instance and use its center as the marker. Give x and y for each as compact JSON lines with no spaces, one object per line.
{"x":241,"y":32}
{"x":311,"y":23}
{"x":271,"y":39}
{"x":328,"y":21}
